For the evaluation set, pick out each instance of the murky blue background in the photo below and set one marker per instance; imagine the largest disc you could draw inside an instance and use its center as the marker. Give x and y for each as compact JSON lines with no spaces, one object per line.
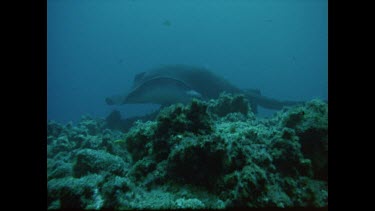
{"x":95,"y":47}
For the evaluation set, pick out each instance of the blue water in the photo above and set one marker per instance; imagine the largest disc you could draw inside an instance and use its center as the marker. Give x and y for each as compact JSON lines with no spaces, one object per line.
{"x":95,"y":47}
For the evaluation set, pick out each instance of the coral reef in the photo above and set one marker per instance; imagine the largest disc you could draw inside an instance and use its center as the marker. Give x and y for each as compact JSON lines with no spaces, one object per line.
{"x":210,"y":155}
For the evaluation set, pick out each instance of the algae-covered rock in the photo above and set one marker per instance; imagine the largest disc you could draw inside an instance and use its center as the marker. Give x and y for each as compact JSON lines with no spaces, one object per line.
{"x":114,"y":188}
{"x":68,"y":193}
{"x":310,"y":123}
{"x":91,"y":161}
{"x":54,"y":129}
{"x":141,"y":168}
{"x":305,"y":192}
{"x":228,"y":103}
{"x":139,"y":139}
{"x":151,"y":200}
{"x":204,"y":155}
{"x":156,"y":138}
{"x":180,"y":119}
{"x":58,"y":169}
{"x":189,"y":204}
{"x":244,"y":187}
{"x":287,"y":155}
{"x":91,"y":125}
{"x":197,"y":160}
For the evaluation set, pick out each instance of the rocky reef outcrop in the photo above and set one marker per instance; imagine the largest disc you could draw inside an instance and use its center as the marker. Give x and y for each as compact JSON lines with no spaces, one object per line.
{"x":210,"y":155}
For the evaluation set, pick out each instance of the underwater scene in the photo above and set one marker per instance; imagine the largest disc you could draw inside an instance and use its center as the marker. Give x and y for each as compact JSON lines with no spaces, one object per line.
{"x":187,"y":104}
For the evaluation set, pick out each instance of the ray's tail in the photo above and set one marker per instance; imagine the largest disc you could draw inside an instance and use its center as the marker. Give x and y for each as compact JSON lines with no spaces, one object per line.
{"x":256,"y":99}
